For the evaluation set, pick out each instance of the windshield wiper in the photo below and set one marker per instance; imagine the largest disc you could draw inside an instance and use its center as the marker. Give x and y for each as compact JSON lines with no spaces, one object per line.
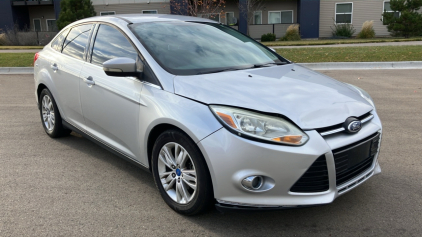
{"x":243,"y":68}
{"x":223,"y":70}
{"x":268,"y":64}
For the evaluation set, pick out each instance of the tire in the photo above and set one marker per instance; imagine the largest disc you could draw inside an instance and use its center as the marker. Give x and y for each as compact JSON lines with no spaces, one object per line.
{"x":50,"y":116}
{"x":179,"y":179}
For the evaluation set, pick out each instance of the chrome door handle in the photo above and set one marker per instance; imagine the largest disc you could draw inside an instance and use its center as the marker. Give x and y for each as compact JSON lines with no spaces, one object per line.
{"x":89,"y":81}
{"x":54,"y":67}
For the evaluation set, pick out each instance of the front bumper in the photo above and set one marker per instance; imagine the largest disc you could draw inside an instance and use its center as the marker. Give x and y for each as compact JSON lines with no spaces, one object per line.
{"x":231,"y":158}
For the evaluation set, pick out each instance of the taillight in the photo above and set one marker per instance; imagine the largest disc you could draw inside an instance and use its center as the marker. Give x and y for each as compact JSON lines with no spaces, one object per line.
{"x":36,"y":57}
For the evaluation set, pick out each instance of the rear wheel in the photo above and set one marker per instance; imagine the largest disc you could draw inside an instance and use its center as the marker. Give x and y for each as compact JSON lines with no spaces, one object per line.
{"x":180,"y":173}
{"x":50,"y":116}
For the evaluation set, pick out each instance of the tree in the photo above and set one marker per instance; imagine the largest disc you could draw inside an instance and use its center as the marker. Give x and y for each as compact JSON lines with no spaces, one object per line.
{"x":249,"y":9}
{"x":73,"y":10}
{"x":408,"y":21}
{"x":200,"y":8}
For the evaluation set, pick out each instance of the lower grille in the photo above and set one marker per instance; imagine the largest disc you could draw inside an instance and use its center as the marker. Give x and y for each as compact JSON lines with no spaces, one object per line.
{"x":356,"y":158}
{"x":315,"y":179}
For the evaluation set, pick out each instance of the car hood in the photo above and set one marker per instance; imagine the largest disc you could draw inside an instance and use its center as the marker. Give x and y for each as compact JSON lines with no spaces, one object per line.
{"x":308,"y":98}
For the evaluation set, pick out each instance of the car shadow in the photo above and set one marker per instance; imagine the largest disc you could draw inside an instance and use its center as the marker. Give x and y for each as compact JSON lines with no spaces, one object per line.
{"x":299,"y":221}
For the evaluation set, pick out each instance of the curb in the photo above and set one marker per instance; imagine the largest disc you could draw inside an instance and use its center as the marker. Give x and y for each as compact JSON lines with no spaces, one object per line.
{"x":313,"y":66}
{"x":16,"y":70}
{"x":363,"y":65}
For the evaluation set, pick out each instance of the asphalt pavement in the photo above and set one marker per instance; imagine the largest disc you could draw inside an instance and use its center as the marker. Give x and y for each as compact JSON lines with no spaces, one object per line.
{"x":72,"y":187}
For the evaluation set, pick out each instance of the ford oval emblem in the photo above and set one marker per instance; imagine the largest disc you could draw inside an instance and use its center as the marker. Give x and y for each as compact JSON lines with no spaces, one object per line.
{"x":354,"y":126}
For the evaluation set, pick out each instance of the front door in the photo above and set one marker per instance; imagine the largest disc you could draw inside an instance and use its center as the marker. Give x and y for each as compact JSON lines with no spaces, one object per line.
{"x":111,"y":105}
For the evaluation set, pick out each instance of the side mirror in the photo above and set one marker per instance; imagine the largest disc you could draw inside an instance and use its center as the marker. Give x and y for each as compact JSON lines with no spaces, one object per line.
{"x":121,"y":67}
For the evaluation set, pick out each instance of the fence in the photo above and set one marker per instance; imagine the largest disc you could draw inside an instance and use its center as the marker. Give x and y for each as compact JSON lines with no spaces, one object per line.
{"x":256,"y":31}
{"x":13,"y":37}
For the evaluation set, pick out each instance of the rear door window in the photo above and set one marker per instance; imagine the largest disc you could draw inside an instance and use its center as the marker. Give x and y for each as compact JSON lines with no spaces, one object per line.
{"x":76,"y":41}
{"x":111,"y":43}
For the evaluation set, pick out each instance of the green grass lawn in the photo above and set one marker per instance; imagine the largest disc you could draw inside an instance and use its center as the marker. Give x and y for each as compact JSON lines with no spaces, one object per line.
{"x":16,"y":59}
{"x":21,"y":47}
{"x":298,"y":55}
{"x":338,"y":41}
{"x":353,"y":54}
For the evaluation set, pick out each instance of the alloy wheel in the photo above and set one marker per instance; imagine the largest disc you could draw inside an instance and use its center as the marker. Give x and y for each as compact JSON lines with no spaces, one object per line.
{"x":177,"y":173}
{"x":48,"y":115}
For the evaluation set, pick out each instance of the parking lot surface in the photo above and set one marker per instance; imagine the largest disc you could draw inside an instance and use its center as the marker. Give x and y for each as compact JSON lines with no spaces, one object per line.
{"x":72,"y":187}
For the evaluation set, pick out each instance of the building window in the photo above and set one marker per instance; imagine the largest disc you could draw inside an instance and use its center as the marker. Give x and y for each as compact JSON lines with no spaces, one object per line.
{"x":37,"y":25}
{"x":212,"y":16}
{"x":257,"y":17}
{"x":277,"y":17}
{"x":149,"y":12}
{"x":230,"y":19}
{"x":387,"y":8}
{"x":344,"y":13}
{"x":107,"y":13}
{"x":51,"y":25}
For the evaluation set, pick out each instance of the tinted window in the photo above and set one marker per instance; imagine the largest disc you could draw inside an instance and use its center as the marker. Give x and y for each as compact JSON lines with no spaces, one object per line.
{"x":188,"y":48}
{"x":76,"y":41}
{"x":58,"y":42}
{"x":111,"y":43}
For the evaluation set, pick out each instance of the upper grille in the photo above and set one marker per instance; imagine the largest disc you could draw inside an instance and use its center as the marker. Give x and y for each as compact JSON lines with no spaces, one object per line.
{"x":315,"y":179}
{"x":354,"y":159}
{"x":339,"y":127}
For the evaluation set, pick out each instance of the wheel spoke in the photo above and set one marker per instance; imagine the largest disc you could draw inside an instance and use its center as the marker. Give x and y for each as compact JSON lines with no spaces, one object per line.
{"x":164,"y":161}
{"x":184,"y":192}
{"x":178,"y":193}
{"x":189,"y":178}
{"x":170,"y":185}
{"x":169,"y":157}
{"x":165,"y":174}
{"x":193,"y":186}
{"x":49,"y":124}
{"x":169,"y":178}
{"x":189,"y":172}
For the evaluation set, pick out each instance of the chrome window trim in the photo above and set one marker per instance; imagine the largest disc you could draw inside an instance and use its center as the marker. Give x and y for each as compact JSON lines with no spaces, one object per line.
{"x":341,"y":129}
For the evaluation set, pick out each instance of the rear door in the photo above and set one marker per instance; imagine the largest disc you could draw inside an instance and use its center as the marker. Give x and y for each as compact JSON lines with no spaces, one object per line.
{"x":66,"y":68}
{"x":111,"y":105}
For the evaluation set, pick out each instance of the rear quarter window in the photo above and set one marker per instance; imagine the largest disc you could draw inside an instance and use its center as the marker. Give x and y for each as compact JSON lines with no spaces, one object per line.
{"x":57,"y":44}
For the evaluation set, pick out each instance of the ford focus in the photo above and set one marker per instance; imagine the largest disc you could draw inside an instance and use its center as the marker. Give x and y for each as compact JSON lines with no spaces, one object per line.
{"x":216,"y":117}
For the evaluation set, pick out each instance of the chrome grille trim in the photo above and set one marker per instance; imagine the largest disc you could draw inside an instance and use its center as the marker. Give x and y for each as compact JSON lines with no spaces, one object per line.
{"x":341,"y":129}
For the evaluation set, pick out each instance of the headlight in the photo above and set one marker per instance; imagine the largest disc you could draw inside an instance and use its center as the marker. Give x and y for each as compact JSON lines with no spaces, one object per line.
{"x":363,"y":94}
{"x":260,"y":126}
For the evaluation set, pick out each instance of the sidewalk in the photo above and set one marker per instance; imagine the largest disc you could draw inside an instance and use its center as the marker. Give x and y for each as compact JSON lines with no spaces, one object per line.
{"x":406,"y":43}
{"x":20,"y":50}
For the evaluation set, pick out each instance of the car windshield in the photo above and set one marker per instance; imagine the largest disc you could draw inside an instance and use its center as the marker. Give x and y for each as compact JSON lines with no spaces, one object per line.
{"x":190,"y":48}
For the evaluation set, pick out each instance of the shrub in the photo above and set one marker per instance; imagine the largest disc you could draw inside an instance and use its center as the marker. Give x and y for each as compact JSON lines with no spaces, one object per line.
{"x":404,"y":18}
{"x":367,"y":30}
{"x":3,"y":40}
{"x":343,"y":30}
{"x":268,"y":37}
{"x":292,"y":33}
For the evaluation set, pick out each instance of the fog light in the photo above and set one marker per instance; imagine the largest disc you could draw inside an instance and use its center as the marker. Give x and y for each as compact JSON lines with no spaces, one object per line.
{"x":253,"y":182}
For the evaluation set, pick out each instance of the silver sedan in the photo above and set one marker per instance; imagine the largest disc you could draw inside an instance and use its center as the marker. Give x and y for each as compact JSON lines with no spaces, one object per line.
{"x":216,"y":117}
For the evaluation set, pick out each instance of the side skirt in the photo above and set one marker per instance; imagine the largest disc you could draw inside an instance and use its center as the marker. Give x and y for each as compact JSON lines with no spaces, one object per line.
{"x":103,"y":145}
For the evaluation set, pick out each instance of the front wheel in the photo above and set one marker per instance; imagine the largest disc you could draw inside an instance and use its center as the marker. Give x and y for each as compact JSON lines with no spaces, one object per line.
{"x":181,"y":174}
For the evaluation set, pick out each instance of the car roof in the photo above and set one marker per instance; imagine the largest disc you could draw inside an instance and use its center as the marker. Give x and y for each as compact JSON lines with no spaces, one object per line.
{"x":140,"y":18}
